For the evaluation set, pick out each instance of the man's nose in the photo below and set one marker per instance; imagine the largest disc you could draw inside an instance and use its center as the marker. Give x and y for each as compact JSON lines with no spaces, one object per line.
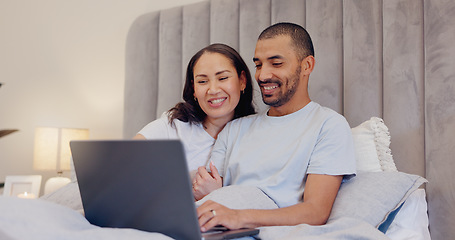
{"x":263,"y":74}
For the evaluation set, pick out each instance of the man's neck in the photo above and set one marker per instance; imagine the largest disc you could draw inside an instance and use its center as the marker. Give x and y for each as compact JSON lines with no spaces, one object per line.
{"x":288,"y":108}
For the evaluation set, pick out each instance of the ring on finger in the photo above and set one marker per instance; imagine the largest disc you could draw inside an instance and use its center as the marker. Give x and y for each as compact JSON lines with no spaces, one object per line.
{"x":213,"y":212}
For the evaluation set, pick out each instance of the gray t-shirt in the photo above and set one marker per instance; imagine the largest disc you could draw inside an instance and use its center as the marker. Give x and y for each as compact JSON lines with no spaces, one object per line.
{"x":275,"y":154}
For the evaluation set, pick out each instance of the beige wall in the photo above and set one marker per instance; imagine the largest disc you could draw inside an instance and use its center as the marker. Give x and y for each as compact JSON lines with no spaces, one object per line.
{"x":62,"y":65}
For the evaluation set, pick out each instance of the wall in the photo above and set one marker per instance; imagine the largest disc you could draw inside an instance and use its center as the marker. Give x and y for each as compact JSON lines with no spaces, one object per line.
{"x":62,"y":65}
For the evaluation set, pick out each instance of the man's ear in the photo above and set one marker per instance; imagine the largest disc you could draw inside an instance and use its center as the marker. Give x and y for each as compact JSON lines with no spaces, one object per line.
{"x":307,"y":65}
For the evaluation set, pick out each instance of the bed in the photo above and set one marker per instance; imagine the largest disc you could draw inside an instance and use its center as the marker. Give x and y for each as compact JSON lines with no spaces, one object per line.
{"x":368,"y":68}
{"x":379,"y":203}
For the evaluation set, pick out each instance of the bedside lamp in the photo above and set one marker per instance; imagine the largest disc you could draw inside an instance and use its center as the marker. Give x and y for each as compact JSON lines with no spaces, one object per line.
{"x":52,"y":152}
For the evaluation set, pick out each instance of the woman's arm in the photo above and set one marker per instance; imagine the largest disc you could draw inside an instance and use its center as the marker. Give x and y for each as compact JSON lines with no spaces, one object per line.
{"x":319,"y":196}
{"x":205,"y":182}
{"x":139,"y":137}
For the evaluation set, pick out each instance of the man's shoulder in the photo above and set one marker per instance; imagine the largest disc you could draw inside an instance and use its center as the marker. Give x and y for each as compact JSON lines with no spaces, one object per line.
{"x":327,"y":118}
{"x":244,"y":120}
{"x":240,"y":125}
{"x":328,"y":113}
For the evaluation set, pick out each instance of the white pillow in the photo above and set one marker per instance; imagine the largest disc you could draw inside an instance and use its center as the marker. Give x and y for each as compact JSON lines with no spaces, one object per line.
{"x":372,"y":146}
{"x":411,"y":222}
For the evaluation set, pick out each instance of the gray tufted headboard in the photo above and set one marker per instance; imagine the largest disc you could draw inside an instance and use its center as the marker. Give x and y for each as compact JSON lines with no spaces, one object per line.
{"x":392,"y":59}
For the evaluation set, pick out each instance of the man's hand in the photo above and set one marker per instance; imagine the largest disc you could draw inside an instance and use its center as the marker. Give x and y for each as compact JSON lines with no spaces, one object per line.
{"x":211,"y":214}
{"x":205,"y":182}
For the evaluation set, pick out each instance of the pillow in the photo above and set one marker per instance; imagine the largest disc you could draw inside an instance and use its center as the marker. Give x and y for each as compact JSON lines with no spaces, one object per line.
{"x":374,"y":196}
{"x":72,"y":171}
{"x":412,"y":220}
{"x":68,"y":196}
{"x":371,"y":143}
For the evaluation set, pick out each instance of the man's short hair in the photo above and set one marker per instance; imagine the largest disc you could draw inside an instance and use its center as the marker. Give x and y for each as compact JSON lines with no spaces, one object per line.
{"x":299,"y":37}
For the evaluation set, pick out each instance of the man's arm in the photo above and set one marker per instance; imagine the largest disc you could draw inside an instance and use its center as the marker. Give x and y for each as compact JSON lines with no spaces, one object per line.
{"x":319,"y":196}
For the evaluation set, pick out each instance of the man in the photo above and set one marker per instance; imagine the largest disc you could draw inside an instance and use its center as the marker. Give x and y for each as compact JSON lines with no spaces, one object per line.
{"x":297,"y":153}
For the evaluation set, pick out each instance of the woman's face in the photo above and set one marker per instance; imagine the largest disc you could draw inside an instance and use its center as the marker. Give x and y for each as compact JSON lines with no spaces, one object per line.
{"x":217,"y":86}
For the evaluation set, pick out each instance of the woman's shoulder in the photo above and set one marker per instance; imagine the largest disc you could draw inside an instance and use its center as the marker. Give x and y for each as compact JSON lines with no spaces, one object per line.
{"x":158,"y":128}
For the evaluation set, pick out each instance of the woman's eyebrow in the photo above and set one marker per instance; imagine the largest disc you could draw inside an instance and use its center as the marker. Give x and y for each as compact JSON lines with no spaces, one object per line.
{"x":220,"y":72}
{"x":217,"y":73}
{"x":200,"y":75}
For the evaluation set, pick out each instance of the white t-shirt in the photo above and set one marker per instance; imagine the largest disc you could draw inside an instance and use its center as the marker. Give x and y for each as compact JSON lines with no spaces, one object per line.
{"x":197,"y":142}
{"x":276,"y":153}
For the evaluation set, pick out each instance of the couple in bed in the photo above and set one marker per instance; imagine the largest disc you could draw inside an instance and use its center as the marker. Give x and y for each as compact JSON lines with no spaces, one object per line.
{"x":296,"y":145}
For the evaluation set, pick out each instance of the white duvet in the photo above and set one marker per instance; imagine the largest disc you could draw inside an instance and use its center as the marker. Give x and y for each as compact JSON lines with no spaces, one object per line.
{"x":42,"y":219}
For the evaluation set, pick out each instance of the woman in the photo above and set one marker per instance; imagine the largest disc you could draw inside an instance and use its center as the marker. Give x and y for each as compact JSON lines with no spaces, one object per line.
{"x":217,"y":89}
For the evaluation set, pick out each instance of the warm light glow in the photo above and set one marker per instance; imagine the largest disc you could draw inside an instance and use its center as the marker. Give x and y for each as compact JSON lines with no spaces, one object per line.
{"x":52,"y":150}
{"x":26,"y":195}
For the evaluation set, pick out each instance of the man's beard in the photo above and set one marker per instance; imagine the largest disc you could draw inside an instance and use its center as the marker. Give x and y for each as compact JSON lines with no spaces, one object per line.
{"x":283,"y":98}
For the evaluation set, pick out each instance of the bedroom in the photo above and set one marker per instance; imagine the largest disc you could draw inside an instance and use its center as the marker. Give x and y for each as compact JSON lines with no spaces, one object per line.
{"x":69,"y":109}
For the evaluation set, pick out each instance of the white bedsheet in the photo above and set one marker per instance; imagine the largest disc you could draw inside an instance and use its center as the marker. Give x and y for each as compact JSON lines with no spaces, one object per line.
{"x":39,"y":219}
{"x":42,"y":219}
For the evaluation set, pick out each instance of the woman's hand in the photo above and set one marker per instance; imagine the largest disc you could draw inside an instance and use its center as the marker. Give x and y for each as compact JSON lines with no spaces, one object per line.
{"x":205,"y":182}
{"x":211,"y":214}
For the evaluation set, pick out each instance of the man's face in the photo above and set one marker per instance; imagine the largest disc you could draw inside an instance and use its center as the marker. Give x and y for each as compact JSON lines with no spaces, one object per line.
{"x":277,"y":70}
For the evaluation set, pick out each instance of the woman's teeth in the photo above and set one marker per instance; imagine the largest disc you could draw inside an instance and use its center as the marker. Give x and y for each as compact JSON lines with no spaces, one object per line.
{"x":216,"y":101}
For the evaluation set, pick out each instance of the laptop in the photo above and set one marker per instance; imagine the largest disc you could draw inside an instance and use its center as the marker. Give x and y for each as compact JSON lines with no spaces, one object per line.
{"x":140,"y":184}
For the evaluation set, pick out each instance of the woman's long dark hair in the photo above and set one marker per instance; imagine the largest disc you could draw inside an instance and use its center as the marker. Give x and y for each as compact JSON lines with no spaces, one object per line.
{"x":190,"y":111}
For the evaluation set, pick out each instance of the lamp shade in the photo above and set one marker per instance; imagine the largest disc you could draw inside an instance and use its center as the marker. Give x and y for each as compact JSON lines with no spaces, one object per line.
{"x":52,"y":150}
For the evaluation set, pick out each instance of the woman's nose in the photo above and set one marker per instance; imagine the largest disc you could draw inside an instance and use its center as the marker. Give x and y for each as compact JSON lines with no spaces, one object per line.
{"x":214,"y":87}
